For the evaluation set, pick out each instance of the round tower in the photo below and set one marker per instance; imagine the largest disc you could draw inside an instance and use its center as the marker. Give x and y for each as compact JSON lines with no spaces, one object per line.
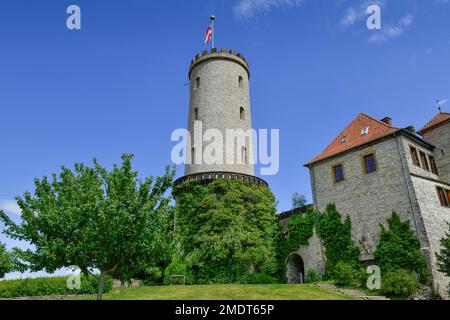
{"x":220,"y":103}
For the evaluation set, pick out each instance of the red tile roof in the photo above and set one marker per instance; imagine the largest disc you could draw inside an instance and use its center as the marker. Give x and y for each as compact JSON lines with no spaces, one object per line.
{"x":439,"y":119}
{"x":354,"y":138}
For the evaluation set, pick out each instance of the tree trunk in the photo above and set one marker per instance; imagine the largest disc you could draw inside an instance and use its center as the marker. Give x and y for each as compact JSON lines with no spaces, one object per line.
{"x":101,"y":285}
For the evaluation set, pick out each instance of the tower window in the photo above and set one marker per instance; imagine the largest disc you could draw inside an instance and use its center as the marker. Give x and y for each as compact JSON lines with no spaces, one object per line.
{"x":370,"y":165}
{"x":244,"y":155}
{"x":424,"y":159}
{"x":193,"y":155}
{"x":415,"y":157}
{"x":241,"y":82}
{"x":197,"y":83}
{"x":242,"y":113}
{"x":196,"y":113}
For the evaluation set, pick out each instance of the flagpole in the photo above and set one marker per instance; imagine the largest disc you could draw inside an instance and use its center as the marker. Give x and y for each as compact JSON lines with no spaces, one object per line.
{"x":213,"y":30}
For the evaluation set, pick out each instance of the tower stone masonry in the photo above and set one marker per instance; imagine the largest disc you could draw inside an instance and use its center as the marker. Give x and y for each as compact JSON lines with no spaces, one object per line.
{"x":220,"y":101}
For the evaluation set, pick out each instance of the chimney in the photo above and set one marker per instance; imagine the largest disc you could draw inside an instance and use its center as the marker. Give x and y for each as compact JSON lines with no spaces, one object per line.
{"x":387,"y":120}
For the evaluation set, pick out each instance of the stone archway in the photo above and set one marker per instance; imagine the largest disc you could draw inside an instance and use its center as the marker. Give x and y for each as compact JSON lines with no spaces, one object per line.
{"x":295,"y":269}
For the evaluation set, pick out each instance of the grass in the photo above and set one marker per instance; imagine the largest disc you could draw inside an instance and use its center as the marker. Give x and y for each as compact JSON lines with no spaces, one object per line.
{"x":226,"y":292}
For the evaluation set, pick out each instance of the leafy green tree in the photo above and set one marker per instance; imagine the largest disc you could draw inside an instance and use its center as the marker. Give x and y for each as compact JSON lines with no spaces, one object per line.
{"x":399,"y":248}
{"x":443,"y":257}
{"x":97,"y":219}
{"x":298,"y":200}
{"x":6,"y":260}
{"x":227,"y":229}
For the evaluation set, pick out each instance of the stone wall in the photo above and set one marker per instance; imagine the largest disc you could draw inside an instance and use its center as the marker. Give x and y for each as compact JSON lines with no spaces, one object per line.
{"x":440,"y":138}
{"x":369,"y":199}
{"x":435,"y":218}
{"x":218,"y":100}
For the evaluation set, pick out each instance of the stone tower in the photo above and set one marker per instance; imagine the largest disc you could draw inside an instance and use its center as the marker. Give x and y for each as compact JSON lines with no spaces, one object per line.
{"x":220,"y":100}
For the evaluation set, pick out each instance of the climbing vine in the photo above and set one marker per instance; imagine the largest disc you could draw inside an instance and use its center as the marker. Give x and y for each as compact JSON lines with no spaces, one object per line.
{"x":227,"y":230}
{"x":335,"y":234}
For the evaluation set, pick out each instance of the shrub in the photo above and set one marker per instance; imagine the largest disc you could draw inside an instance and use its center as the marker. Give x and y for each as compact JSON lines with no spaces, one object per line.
{"x":49,"y":286}
{"x":399,"y":248}
{"x":400,"y":283}
{"x":312,"y":276}
{"x":346,"y":275}
{"x":176,"y":267}
{"x":258,"y":278}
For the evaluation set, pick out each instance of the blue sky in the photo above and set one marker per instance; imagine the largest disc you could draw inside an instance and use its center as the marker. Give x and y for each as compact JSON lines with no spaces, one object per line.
{"x":117,"y":85}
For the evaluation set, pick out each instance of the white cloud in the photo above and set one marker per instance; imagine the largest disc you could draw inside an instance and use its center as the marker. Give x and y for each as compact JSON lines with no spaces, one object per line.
{"x":10,"y":206}
{"x":392,"y":31}
{"x":248,"y":8}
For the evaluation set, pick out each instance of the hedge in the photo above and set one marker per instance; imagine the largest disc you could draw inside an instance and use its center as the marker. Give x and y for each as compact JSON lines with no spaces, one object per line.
{"x":49,"y":286}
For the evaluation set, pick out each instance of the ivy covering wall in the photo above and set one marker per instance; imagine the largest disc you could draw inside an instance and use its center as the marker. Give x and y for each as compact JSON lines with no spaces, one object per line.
{"x":227,"y":230}
{"x":335,"y":234}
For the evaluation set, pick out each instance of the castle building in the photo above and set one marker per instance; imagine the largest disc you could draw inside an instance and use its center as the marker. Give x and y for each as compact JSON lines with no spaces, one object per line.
{"x":372,"y":169}
{"x":220,"y":104}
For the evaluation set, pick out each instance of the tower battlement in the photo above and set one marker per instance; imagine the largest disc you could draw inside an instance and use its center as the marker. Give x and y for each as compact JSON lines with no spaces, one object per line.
{"x":223,"y":54}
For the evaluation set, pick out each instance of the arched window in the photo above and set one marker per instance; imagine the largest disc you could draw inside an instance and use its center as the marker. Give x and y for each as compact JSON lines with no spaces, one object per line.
{"x":242,"y":113}
{"x":196,"y":113}
{"x":241,"y":82}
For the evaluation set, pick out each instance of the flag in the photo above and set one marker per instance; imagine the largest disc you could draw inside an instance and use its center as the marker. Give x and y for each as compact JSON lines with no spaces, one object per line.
{"x":209,"y":34}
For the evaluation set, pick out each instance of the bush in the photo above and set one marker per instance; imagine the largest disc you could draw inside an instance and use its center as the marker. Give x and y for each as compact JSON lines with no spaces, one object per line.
{"x":176,"y":267}
{"x":258,"y":278}
{"x":346,"y":275}
{"x":399,"y":248}
{"x":400,"y":283}
{"x":312,"y":276}
{"x":49,"y":286}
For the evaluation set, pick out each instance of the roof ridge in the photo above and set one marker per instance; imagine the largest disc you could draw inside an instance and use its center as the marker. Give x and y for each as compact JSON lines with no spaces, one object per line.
{"x":379,"y":121}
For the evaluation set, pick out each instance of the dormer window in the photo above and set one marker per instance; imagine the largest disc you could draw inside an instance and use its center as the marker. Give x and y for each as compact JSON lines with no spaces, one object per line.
{"x":344,"y":139}
{"x":365,"y":131}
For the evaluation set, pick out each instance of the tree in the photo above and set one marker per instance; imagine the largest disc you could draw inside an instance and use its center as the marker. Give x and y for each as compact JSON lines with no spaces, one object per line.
{"x":399,"y":249}
{"x":298,"y":200}
{"x":6,"y":260}
{"x":228,"y":229}
{"x":98,"y":220}
{"x":443,"y":257}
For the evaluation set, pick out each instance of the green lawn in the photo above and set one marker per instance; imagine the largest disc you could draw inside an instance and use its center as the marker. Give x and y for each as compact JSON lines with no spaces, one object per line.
{"x":226,"y":292}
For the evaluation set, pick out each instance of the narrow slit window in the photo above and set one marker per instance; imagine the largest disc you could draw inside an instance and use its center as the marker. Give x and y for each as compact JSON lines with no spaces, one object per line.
{"x":242,"y":113}
{"x":424,"y":159}
{"x":370,"y":164}
{"x":244,"y":155}
{"x":196,"y":113}
{"x":197,"y":83}
{"x":415,"y":157}
{"x":241,"y":82}
{"x":193,"y":155}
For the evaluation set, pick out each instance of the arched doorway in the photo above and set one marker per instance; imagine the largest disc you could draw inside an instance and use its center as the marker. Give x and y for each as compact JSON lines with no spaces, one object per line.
{"x":295,"y":269}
